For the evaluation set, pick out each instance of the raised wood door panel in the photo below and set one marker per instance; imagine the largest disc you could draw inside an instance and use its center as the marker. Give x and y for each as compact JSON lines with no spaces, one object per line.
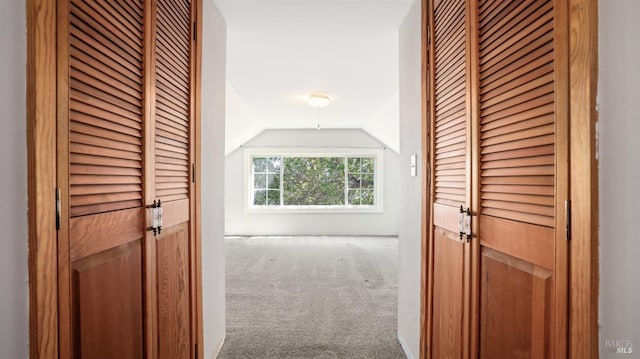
{"x":174,"y":329}
{"x":172,"y":159}
{"x":520,"y":179}
{"x":449,"y":295}
{"x":100,"y":174}
{"x":514,"y":307}
{"x":450,"y":181}
{"x":108,"y":308}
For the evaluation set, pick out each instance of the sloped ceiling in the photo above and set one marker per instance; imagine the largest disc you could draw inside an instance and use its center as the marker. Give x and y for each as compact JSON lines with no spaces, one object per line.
{"x":280,"y":51}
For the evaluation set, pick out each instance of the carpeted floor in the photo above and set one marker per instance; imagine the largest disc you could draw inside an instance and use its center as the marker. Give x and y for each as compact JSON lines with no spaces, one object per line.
{"x":311,"y":297}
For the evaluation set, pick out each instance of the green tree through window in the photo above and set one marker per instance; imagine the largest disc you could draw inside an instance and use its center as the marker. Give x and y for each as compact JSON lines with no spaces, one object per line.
{"x":313,"y":181}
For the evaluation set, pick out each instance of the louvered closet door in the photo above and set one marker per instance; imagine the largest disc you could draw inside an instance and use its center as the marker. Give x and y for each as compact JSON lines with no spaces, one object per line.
{"x":172,"y":175}
{"x":450,"y":114}
{"x":522,"y":179}
{"x":100,"y":141}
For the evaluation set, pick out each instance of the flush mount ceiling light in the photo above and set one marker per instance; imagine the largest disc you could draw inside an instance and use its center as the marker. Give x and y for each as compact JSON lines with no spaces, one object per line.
{"x":318,"y":100}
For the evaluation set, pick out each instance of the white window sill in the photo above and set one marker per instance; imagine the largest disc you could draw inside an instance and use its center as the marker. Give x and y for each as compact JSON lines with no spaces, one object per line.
{"x":313,"y":209}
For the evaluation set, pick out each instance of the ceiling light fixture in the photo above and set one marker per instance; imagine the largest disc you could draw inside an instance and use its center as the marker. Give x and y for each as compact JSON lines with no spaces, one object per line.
{"x":318,"y":100}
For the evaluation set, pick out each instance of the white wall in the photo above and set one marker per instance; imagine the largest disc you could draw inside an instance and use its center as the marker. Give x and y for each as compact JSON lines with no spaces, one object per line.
{"x":242,"y":124}
{"x":240,"y":223}
{"x":213,"y":115}
{"x":410,"y":192}
{"x":384,"y":124}
{"x":619,"y":124}
{"x":14,"y":335}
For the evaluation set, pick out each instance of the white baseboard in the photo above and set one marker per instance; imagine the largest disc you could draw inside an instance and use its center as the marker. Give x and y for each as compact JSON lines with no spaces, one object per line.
{"x":215,"y":355}
{"x":405,"y":347}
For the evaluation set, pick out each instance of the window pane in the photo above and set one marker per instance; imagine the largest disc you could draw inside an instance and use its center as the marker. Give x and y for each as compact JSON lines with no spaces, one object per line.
{"x":259,"y":181}
{"x":313,"y":181}
{"x":366,"y":197}
{"x":367,"y":181}
{"x":354,"y":181}
{"x":354,"y":165}
{"x":354,"y":197}
{"x":260,"y":198}
{"x":368,"y":165}
{"x":259,"y":165}
{"x":273,"y":164}
{"x":274,"y":181}
{"x":273,"y":198}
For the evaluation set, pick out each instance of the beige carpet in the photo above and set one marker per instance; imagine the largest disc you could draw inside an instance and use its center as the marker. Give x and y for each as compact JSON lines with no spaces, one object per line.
{"x":311,"y":297}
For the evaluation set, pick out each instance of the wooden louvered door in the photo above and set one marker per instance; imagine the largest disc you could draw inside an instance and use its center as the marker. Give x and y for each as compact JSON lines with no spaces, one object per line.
{"x":125,"y":139}
{"x":172,"y":153}
{"x":522,"y":178}
{"x":498,"y":111}
{"x":450,"y":184}
{"x":101,"y":176}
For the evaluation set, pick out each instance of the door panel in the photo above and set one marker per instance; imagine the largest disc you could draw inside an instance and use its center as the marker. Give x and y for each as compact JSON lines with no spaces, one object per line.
{"x":448,"y":303}
{"x":125,"y":139}
{"x":101,"y":172}
{"x":498,"y":111}
{"x":107,"y":307}
{"x":450,"y":112}
{"x":510,"y":285}
{"x":173,"y":292}
{"x":172,"y":159}
{"x":517,"y":178}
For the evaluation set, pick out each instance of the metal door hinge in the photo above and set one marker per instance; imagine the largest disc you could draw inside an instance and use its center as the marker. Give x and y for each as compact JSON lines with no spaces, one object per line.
{"x":156,"y":217}
{"x":464,"y":224}
{"x":567,"y":216}
{"x":58,"y":208}
{"x":193,"y":173}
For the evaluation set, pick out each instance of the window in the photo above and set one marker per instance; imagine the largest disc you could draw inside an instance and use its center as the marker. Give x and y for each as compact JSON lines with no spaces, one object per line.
{"x":306,"y":180}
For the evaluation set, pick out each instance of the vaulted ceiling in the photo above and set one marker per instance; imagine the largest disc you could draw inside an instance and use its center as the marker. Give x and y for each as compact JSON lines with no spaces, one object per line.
{"x":280,"y":51}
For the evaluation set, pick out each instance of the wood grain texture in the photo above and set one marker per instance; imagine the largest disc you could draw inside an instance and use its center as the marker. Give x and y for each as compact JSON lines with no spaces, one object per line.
{"x":583,"y":74}
{"x":174,"y":322}
{"x":450,"y":103}
{"x":522,"y":290}
{"x":449,"y":297}
{"x":520,"y":240}
{"x":173,"y":96}
{"x":517,"y":146}
{"x":65,"y":315}
{"x":41,"y":161}
{"x":560,"y":341}
{"x":175,"y":212}
{"x":576,"y":57}
{"x":150,"y":245}
{"x":446,"y":217}
{"x":472,"y":252}
{"x":96,"y":233}
{"x":105,"y":106}
{"x":107,"y":314}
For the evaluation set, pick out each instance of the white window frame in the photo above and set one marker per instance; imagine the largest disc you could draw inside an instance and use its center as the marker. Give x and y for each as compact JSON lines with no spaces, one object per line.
{"x":251,"y":153}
